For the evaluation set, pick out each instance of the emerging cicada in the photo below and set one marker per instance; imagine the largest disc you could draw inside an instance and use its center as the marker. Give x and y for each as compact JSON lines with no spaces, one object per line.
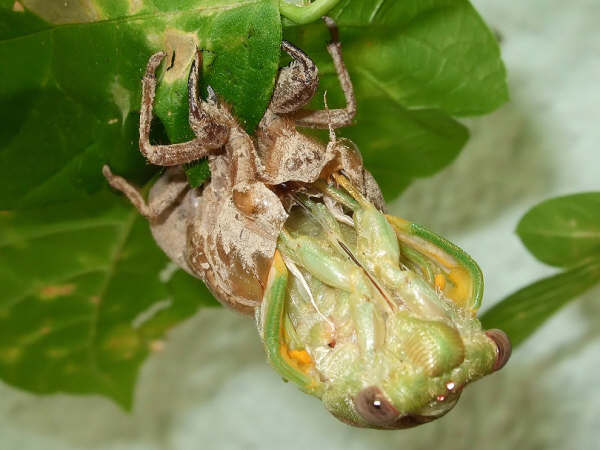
{"x":370,"y":313}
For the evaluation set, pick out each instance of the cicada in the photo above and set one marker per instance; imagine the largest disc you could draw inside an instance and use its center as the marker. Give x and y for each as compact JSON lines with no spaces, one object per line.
{"x":373,"y":314}
{"x":368,"y":312}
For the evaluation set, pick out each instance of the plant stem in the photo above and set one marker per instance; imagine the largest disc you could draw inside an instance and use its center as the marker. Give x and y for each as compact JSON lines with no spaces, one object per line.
{"x":306,"y":14}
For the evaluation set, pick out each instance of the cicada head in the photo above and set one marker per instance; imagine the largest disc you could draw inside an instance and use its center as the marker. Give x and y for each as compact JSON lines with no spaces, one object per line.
{"x":373,"y":314}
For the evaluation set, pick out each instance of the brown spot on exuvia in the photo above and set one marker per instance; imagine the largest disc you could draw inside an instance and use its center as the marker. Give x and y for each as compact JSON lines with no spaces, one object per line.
{"x":292,"y":164}
{"x":56,"y":290}
{"x":332,"y":343}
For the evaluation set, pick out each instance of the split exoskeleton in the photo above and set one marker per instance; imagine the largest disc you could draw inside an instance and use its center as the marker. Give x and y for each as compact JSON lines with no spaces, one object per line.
{"x":226,"y":232}
{"x":370,"y":313}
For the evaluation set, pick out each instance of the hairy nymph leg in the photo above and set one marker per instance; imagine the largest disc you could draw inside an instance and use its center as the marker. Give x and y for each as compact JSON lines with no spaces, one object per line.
{"x":177,"y":185}
{"x":204,"y":116}
{"x":335,"y":118}
{"x":210,"y":135}
{"x":296,"y":83}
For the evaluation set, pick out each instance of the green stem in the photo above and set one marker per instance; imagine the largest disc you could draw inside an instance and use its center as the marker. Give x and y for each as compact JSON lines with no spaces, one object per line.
{"x":306,"y":14}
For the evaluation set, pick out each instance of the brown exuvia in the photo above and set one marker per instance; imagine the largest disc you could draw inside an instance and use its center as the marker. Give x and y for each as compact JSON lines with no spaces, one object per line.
{"x":225,"y":232}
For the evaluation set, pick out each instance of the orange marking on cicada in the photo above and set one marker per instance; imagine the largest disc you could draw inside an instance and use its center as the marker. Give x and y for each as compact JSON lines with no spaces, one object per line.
{"x":298,"y":359}
{"x":440,"y":281}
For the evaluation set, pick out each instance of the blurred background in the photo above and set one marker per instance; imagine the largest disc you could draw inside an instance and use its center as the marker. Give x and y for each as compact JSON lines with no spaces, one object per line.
{"x":209,"y":386}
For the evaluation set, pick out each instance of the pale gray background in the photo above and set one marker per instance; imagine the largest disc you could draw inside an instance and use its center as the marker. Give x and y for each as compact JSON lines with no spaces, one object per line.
{"x":210,"y":388}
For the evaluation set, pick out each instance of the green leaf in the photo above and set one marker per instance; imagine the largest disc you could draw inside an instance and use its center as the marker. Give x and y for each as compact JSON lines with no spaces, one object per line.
{"x":430,"y":54}
{"x":563,"y":231}
{"x":197,"y":173}
{"x":413,"y":64}
{"x":429,"y":141}
{"x":86,"y":295}
{"x":523,"y":312}
{"x":15,"y":20}
{"x":70,"y":88}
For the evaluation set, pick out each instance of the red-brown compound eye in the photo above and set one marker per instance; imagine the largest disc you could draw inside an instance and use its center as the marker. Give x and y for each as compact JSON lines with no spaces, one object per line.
{"x":372,"y":405}
{"x":504,"y":347}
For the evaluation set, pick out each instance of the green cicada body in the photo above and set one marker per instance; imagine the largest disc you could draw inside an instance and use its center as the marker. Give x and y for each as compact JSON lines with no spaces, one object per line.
{"x":373,"y":314}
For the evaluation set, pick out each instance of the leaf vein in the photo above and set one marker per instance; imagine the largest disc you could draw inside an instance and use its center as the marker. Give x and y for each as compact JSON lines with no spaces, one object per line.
{"x":113,"y":262}
{"x":60,"y":229}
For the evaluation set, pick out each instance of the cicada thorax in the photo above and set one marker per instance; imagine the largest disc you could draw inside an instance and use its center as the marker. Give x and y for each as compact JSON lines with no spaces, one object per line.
{"x":234,"y":234}
{"x":372,"y":306}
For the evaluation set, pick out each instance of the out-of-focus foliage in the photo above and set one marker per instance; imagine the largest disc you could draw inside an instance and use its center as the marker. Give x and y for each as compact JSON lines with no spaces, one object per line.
{"x":563,"y":232}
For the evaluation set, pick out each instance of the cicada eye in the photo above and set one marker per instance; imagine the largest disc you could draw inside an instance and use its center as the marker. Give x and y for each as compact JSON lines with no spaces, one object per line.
{"x":374,"y":407}
{"x":504,"y":347}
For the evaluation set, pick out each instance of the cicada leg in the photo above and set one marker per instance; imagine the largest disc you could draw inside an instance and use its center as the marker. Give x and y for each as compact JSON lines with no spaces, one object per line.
{"x":453,"y":271}
{"x":443,"y":264}
{"x":289,"y":364}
